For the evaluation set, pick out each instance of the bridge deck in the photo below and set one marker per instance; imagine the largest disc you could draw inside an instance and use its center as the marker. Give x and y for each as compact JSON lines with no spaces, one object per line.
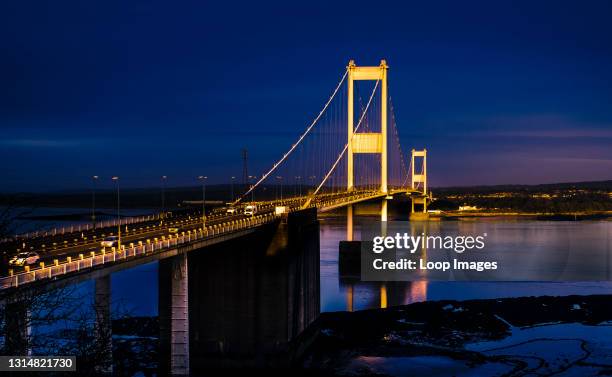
{"x":143,"y":249}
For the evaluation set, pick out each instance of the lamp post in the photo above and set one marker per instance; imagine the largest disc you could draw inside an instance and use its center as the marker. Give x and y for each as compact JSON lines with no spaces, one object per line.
{"x":281,"y":186}
{"x":93,"y":200}
{"x":163,"y":198}
{"x":232,"y":190}
{"x":299,"y":183}
{"x":116,"y":179}
{"x":250,"y":187}
{"x":202,"y":179}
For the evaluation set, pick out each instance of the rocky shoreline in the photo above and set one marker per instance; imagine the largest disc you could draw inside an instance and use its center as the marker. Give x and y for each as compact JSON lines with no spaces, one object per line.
{"x":445,"y":336}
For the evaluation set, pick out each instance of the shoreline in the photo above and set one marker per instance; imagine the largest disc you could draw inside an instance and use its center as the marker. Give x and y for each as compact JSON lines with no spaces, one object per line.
{"x":474,"y":336}
{"x":571,"y":216}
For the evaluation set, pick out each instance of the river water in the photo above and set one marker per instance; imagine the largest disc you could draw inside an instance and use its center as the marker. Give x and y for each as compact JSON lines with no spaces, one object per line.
{"x":136,"y":289}
{"x":593,"y":238}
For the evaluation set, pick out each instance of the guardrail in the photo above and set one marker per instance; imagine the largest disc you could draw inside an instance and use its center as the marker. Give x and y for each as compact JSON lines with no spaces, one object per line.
{"x":341,"y":200}
{"x":89,"y":226}
{"x":78,"y":228}
{"x":71,"y":265}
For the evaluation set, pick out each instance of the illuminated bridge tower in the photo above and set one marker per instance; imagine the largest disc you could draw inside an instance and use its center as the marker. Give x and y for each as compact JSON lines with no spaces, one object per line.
{"x":368,"y":142}
{"x":419,"y":183}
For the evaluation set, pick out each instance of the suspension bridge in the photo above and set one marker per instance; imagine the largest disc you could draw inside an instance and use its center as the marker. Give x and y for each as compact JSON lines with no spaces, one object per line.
{"x":349,"y":153}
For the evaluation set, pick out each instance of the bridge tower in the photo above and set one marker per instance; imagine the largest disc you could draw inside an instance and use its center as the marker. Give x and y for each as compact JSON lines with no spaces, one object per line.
{"x":419,"y":197}
{"x":368,"y":142}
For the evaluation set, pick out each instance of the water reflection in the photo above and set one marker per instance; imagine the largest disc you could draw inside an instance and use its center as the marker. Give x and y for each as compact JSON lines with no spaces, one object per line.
{"x":338,"y":294}
{"x":361,"y":295}
{"x":340,"y":291}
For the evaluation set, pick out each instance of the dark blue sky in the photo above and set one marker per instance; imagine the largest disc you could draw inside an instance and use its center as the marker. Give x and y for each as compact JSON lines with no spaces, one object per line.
{"x":499,"y":92}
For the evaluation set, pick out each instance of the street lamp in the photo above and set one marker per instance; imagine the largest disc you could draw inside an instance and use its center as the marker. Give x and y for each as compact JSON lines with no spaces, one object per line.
{"x":202,"y":179}
{"x":281,"y":186}
{"x":116,"y":179}
{"x":93,"y":200}
{"x":251,"y":188}
{"x":163,"y":198}
{"x":299,"y":183}
{"x":312,"y":181}
{"x":232,"y":190}
{"x":276,"y":193}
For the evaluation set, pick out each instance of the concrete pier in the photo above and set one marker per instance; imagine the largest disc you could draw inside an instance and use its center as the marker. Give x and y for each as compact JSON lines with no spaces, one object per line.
{"x":250,"y":297}
{"x":174,"y":316}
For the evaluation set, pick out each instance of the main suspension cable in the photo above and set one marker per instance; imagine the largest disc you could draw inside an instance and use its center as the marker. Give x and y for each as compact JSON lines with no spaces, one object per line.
{"x":343,"y":150}
{"x":277,"y":164}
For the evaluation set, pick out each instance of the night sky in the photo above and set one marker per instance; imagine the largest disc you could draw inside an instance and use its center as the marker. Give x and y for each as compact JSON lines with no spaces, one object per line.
{"x":498,"y":92}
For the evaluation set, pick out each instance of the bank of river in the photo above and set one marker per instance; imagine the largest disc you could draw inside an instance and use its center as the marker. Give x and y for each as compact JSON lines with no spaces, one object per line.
{"x":513,"y":336}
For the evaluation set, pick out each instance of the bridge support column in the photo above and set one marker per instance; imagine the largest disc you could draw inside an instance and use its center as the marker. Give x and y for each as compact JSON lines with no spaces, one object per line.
{"x":351,"y":118}
{"x":419,"y":178}
{"x":419,"y":215}
{"x":383,"y":210}
{"x":349,"y":223}
{"x":103,"y":329}
{"x":367,"y":142}
{"x":174,"y":316}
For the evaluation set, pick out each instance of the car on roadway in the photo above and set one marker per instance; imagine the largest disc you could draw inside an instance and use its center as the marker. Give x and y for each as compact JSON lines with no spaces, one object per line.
{"x":250,"y":210}
{"x":231,"y":210}
{"x":173,"y":230}
{"x":110,"y":241}
{"x":24,"y":259}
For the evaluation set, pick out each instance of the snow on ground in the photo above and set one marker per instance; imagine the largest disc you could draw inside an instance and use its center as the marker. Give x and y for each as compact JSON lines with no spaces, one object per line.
{"x":431,"y":366}
{"x":563,"y":349}
{"x":568,"y":348}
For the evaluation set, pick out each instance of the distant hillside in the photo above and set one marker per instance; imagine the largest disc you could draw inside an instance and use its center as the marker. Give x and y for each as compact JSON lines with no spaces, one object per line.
{"x":595,"y":186}
{"x":571,"y":197}
{"x":143,"y":197}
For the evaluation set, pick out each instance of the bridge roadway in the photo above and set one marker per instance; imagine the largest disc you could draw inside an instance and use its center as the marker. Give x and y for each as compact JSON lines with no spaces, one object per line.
{"x":146,"y":237}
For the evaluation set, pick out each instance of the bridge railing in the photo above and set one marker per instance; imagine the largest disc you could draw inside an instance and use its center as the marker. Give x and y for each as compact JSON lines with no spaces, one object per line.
{"x":88,"y":226}
{"x":342,"y":199}
{"x":131,"y":251}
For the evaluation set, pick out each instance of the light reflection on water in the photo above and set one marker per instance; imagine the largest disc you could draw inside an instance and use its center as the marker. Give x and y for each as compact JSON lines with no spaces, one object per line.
{"x":338,"y":294}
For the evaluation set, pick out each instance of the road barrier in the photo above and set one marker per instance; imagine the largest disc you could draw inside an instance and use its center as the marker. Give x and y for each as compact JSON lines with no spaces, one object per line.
{"x":103,"y":257}
{"x":79,"y":228}
{"x":88,"y":226}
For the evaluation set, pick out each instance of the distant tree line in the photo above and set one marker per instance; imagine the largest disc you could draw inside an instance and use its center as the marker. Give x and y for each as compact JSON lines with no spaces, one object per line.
{"x":526,"y":202}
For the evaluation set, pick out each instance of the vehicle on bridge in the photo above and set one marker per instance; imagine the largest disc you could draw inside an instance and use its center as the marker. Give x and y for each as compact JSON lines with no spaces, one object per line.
{"x":110,"y":241}
{"x":173,"y":230}
{"x":231,"y":210}
{"x":250,"y":210}
{"x":24,"y":259}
